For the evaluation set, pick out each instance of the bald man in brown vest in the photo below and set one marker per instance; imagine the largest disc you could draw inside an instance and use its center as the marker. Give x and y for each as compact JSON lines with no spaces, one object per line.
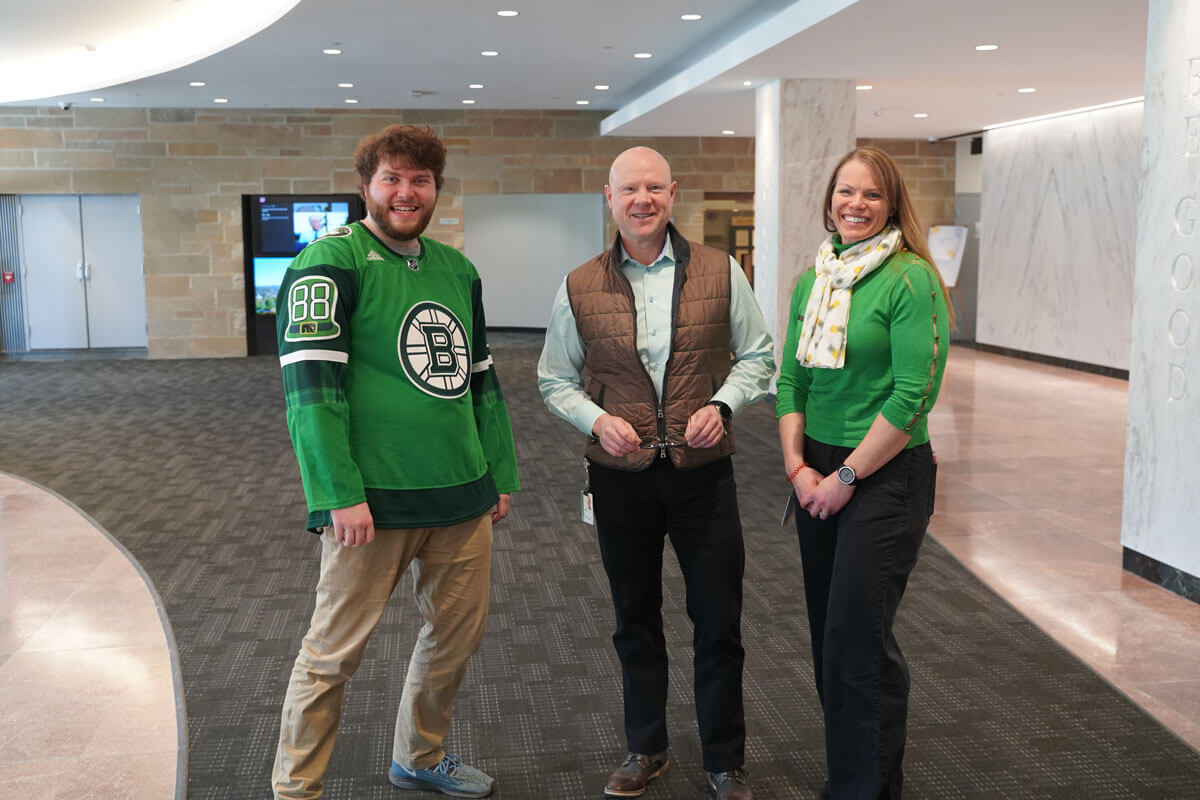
{"x":673,"y":342}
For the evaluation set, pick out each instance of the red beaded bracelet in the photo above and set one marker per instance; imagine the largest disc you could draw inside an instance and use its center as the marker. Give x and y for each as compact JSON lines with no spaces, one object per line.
{"x":796,"y":472}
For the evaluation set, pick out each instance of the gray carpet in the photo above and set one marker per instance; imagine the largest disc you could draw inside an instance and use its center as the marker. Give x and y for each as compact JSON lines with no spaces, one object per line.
{"x":188,"y":464}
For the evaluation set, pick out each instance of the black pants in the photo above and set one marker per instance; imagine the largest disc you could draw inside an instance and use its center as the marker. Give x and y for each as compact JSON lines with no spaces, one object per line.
{"x":698,"y":510}
{"x":856,"y":567}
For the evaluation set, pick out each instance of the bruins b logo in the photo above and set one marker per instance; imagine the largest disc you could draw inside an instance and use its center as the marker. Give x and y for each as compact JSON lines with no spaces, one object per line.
{"x":434,"y":352}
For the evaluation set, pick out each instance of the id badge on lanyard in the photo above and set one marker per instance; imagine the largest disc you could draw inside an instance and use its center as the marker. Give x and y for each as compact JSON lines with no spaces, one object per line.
{"x":586,"y":512}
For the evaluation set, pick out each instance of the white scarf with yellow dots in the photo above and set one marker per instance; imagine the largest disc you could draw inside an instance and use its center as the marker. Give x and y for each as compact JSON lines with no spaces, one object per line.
{"x":823,"y":335}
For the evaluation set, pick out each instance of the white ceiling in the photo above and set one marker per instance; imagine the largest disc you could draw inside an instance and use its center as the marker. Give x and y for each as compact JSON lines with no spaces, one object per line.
{"x":918,"y":54}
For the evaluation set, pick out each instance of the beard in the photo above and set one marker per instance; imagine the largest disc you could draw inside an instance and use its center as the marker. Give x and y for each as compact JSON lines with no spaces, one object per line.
{"x":379,"y":214}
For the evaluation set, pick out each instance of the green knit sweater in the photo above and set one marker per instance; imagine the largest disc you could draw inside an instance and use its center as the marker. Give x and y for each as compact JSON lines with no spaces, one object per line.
{"x":897,"y":339}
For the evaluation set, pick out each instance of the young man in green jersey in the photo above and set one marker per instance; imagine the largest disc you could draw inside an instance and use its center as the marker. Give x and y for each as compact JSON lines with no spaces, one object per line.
{"x":407,"y":457}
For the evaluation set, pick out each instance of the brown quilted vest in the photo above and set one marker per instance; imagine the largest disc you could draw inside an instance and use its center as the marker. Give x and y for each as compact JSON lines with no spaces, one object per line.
{"x":700,"y":359}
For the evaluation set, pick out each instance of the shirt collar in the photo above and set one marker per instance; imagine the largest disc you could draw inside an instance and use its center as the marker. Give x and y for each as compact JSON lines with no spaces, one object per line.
{"x":667,"y":253}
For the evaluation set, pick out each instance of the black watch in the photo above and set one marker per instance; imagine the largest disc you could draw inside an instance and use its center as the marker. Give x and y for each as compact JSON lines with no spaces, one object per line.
{"x":846,"y":475}
{"x":726,"y":411}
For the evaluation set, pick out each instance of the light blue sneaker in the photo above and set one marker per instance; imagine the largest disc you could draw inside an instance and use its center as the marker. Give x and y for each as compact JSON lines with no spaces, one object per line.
{"x":448,"y":776}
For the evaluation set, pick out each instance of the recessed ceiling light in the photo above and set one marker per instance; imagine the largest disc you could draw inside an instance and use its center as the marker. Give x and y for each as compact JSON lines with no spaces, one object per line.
{"x":490,"y":53}
{"x":346,"y":85}
{"x":728,"y":132}
{"x":197,"y":83}
{"x":983,"y":48}
{"x":1026,"y":90}
{"x":351,"y":100}
{"x":864,"y":87}
{"x":474,"y":85}
{"x":507,"y":13}
{"x":468,"y":102}
{"x":921,"y":115}
{"x":332,"y":51}
{"x":583,"y":102}
{"x":643,"y":55}
{"x":96,"y":99}
{"x":601,"y":87}
{"x":690,"y":17}
{"x":747,"y":83}
{"x":220,"y":99}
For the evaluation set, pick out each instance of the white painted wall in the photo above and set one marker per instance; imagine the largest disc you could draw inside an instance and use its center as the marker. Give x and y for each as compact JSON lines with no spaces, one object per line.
{"x":523,"y":245}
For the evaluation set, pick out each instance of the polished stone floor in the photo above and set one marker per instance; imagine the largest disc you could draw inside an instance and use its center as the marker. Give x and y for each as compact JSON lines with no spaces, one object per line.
{"x":87,"y":680}
{"x":1029,"y":499}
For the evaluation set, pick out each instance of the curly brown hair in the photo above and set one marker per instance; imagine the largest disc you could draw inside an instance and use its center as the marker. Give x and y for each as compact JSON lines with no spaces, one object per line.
{"x":419,"y":148}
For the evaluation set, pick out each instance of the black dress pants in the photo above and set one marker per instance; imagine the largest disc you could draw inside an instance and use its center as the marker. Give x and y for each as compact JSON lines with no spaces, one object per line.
{"x":698,"y":510}
{"x":856,"y":567}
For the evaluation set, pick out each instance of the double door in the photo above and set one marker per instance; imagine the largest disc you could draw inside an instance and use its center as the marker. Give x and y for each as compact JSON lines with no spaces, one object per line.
{"x":84,"y":284}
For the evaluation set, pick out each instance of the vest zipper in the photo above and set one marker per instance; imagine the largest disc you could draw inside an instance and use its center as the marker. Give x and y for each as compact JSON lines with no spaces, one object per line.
{"x":662,"y":429}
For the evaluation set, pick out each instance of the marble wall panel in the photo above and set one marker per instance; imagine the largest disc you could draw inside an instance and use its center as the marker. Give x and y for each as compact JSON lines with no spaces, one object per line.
{"x":1161,"y":512}
{"x":1059,"y":212}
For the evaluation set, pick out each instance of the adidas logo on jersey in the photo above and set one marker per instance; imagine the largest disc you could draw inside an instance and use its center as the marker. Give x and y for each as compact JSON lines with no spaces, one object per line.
{"x":373,"y":256}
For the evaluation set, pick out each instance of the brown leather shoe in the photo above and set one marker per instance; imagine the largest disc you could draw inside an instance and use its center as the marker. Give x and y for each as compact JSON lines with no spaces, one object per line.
{"x":630,"y":779}
{"x":732,"y":785}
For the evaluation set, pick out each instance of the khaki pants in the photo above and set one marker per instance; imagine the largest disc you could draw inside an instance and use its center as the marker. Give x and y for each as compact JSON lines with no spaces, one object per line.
{"x":451,"y":570}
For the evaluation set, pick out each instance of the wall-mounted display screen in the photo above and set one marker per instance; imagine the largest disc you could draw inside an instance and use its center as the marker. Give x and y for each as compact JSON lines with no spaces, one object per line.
{"x":275,"y":228}
{"x":286,"y":224}
{"x":268,"y":274}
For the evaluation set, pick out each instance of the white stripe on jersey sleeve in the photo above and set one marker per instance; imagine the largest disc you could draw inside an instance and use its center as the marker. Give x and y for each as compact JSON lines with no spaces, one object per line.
{"x":314,"y":355}
{"x":481,"y":366}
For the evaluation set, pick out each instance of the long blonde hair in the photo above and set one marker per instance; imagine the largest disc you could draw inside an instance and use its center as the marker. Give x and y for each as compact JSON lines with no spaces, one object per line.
{"x":900,"y":208}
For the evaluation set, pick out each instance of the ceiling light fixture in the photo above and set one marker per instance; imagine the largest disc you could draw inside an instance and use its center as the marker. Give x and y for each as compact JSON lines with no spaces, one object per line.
{"x":643,"y":55}
{"x":1068,"y":112}
{"x":197,"y":83}
{"x":346,"y":85}
{"x":508,"y":13}
{"x":864,"y":87}
{"x":220,"y":99}
{"x":474,"y":85}
{"x":920,"y":115}
{"x":747,"y":83}
{"x":986,"y":48}
{"x":490,"y":53}
{"x":601,"y":87}
{"x":728,"y":132}
{"x":351,"y":100}
{"x":583,"y":102}
{"x":691,"y":17}
{"x":159,"y":43}
{"x":96,"y":99}
{"x":468,"y":102}
{"x":1026,"y":90}
{"x":332,"y":51}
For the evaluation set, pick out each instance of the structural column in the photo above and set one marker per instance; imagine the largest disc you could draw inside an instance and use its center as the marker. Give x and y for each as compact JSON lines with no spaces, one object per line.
{"x":1160,"y":526}
{"x":803,"y":127}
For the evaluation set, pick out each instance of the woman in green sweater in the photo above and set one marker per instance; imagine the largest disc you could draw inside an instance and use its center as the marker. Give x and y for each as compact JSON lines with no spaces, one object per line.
{"x":862,"y":364}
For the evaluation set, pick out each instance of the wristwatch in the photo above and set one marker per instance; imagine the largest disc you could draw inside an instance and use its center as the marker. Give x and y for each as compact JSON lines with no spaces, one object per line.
{"x":726,"y":411}
{"x":846,"y":475}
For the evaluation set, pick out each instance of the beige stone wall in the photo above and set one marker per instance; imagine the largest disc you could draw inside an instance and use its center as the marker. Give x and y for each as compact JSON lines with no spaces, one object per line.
{"x":928,"y":170}
{"x":191,"y":167}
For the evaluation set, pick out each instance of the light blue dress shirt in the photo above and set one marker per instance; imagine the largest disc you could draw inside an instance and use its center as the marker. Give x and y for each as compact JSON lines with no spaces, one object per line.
{"x":561,"y":363}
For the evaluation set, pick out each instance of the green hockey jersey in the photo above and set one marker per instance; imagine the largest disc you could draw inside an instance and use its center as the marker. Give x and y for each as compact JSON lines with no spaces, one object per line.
{"x":391,"y":394}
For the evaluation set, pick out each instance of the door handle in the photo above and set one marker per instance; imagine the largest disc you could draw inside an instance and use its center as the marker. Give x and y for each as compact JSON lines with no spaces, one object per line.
{"x":79,"y":271}
{"x":87,"y":271}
